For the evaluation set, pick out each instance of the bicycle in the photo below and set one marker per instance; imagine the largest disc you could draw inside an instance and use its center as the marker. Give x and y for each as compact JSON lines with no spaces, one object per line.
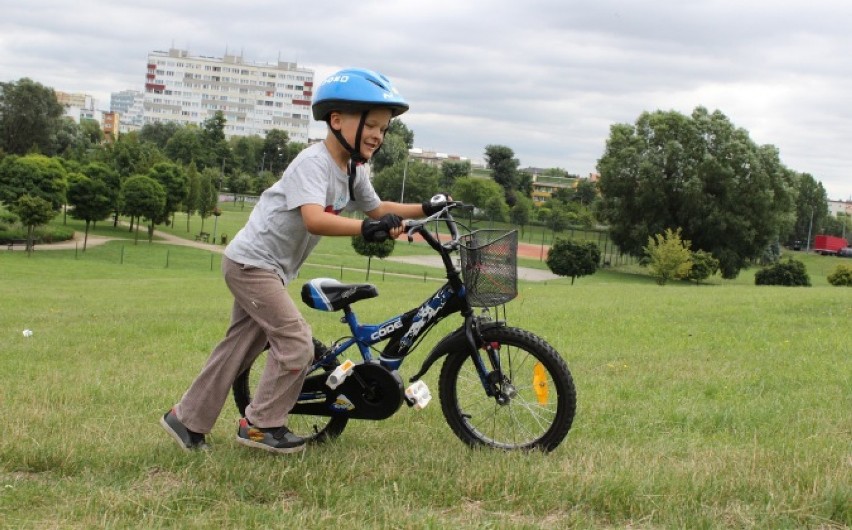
{"x":499,"y":386}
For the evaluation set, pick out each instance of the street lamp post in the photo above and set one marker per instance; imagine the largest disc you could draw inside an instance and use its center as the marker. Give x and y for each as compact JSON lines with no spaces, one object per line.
{"x":218,"y":191}
{"x":810,"y":226}
{"x":404,"y":172}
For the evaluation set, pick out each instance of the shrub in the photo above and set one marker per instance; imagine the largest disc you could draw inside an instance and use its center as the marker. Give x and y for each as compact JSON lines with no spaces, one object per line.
{"x":704,"y":265}
{"x":842,"y":276}
{"x":53,"y":234}
{"x":669,"y":256}
{"x":791,"y":273}
{"x":369,"y":249}
{"x":567,"y":258}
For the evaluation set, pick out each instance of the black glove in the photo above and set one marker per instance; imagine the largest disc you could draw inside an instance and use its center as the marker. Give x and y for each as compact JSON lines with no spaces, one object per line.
{"x":435,"y":204}
{"x":378,"y":230}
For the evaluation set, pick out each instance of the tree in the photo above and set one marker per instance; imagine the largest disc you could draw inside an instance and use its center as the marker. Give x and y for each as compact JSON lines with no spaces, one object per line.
{"x":29,"y":117}
{"x":481,"y":193}
{"x":263,"y":180}
{"x":174,"y":181}
{"x":398,"y":128}
{"x":274,"y":156}
{"x":143,"y":196}
{"x":91,"y":131}
{"x":216,"y":151}
{"x":240,"y":185}
{"x":586,"y":192}
{"x":393,"y":152}
{"x":698,"y":172}
{"x":839,"y":225}
{"x":208,"y":193}
{"x":502,"y":162}
{"x":130,"y":156}
{"x":103,"y":173}
{"x":568,"y":258}
{"x":522,"y":210}
{"x":452,"y":170}
{"x":158,"y":133}
{"x":77,"y":141}
{"x":370,"y":249}
{"x":247,"y":152}
{"x":91,"y":202}
{"x":32,"y":211}
{"x":34,"y":175}
{"x":421,"y":182}
{"x":185,"y":146}
{"x":669,"y":256}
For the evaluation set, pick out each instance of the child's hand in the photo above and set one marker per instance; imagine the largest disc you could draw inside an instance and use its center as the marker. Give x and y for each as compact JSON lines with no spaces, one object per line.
{"x":378,"y":230}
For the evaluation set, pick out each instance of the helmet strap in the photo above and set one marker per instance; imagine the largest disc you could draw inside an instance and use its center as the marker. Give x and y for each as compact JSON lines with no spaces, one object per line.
{"x":355,"y":157}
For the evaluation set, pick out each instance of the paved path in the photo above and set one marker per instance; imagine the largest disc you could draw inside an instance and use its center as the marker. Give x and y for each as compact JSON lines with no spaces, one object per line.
{"x":95,"y":240}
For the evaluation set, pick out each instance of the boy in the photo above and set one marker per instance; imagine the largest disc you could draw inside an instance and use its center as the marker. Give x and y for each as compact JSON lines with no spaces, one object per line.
{"x":265,"y":256}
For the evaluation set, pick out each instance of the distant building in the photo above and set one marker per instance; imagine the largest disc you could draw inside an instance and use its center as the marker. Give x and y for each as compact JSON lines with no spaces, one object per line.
{"x":254,"y":97}
{"x":77,"y":100}
{"x":110,"y":126}
{"x":838,"y":208}
{"x":128,"y":104}
{"x":78,"y":106}
{"x":432,"y":158}
{"x":545,"y":186}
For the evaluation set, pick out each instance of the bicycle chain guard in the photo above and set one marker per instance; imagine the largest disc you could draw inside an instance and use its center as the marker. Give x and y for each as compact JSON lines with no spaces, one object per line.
{"x":370,"y":392}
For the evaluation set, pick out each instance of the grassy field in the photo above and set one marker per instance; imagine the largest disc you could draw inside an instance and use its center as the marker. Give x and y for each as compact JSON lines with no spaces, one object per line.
{"x":716,"y":406}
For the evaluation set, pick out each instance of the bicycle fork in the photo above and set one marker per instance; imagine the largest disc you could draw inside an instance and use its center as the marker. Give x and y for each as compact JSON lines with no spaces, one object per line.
{"x":495,"y":383}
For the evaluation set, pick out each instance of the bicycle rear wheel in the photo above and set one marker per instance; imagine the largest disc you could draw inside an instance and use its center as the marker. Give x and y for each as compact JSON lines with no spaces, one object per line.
{"x":537,"y":395}
{"x":315,"y":429}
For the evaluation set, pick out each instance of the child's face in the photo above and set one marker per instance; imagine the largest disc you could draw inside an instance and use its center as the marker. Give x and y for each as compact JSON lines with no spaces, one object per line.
{"x":373,"y":135}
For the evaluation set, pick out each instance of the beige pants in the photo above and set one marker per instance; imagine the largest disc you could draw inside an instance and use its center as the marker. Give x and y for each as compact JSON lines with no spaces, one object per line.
{"x":263,"y":313}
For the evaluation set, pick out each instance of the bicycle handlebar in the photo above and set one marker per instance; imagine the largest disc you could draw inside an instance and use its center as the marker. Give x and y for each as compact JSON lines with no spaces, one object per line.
{"x":418,"y":226}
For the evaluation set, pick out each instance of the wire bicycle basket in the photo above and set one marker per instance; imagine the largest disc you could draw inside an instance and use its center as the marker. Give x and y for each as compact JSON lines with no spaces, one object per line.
{"x":489,"y":264}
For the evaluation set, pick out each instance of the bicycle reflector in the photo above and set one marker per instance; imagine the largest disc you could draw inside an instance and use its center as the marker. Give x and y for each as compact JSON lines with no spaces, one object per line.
{"x":540,"y":384}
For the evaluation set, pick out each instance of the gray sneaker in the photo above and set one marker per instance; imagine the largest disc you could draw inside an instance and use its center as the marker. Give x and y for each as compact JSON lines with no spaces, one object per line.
{"x":186,"y":439}
{"x":272,"y":439}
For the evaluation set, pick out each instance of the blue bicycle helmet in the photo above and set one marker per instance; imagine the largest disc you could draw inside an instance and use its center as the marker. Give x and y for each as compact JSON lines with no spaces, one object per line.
{"x":356,"y":90}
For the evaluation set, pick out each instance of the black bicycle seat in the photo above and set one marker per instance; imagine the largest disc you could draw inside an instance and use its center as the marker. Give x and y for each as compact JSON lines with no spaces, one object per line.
{"x":327,"y":294}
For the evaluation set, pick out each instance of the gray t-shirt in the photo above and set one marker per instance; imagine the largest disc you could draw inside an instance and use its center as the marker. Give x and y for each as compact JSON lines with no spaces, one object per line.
{"x":275,"y":237}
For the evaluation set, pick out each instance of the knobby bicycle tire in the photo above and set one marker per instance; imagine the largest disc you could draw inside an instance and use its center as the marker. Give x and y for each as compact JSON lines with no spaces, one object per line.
{"x":540,"y":410}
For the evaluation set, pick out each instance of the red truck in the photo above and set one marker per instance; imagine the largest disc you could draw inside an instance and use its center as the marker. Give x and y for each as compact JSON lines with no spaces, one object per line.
{"x":829,"y":244}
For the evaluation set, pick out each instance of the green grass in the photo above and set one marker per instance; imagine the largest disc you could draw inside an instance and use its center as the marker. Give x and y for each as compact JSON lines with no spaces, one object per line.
{"x":717,"y":406}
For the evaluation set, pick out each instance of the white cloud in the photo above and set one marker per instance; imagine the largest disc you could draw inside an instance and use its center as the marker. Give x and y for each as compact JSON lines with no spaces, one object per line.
{"x":544,"y":77}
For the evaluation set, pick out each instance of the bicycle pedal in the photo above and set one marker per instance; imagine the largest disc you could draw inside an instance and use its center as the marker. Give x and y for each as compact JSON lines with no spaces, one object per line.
{"x":417,"y":395}
{"x":339,"y":374}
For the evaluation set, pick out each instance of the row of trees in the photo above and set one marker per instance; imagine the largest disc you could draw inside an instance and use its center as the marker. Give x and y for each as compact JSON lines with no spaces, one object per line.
{"x":699,"y":174}
{"x":36,"y":187}
{"x":47,"y":161}
{"x":248,"y":165}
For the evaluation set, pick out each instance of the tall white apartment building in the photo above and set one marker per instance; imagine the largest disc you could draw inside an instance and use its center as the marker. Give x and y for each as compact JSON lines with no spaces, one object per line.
{"x":254,"y":97}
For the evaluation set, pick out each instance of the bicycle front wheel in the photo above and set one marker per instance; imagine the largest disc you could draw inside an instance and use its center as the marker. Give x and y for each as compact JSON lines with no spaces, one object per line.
{"x":535,"y":398}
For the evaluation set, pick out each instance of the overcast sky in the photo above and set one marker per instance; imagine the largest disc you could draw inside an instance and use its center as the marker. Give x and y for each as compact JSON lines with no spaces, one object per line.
{"x":546,"y":78}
